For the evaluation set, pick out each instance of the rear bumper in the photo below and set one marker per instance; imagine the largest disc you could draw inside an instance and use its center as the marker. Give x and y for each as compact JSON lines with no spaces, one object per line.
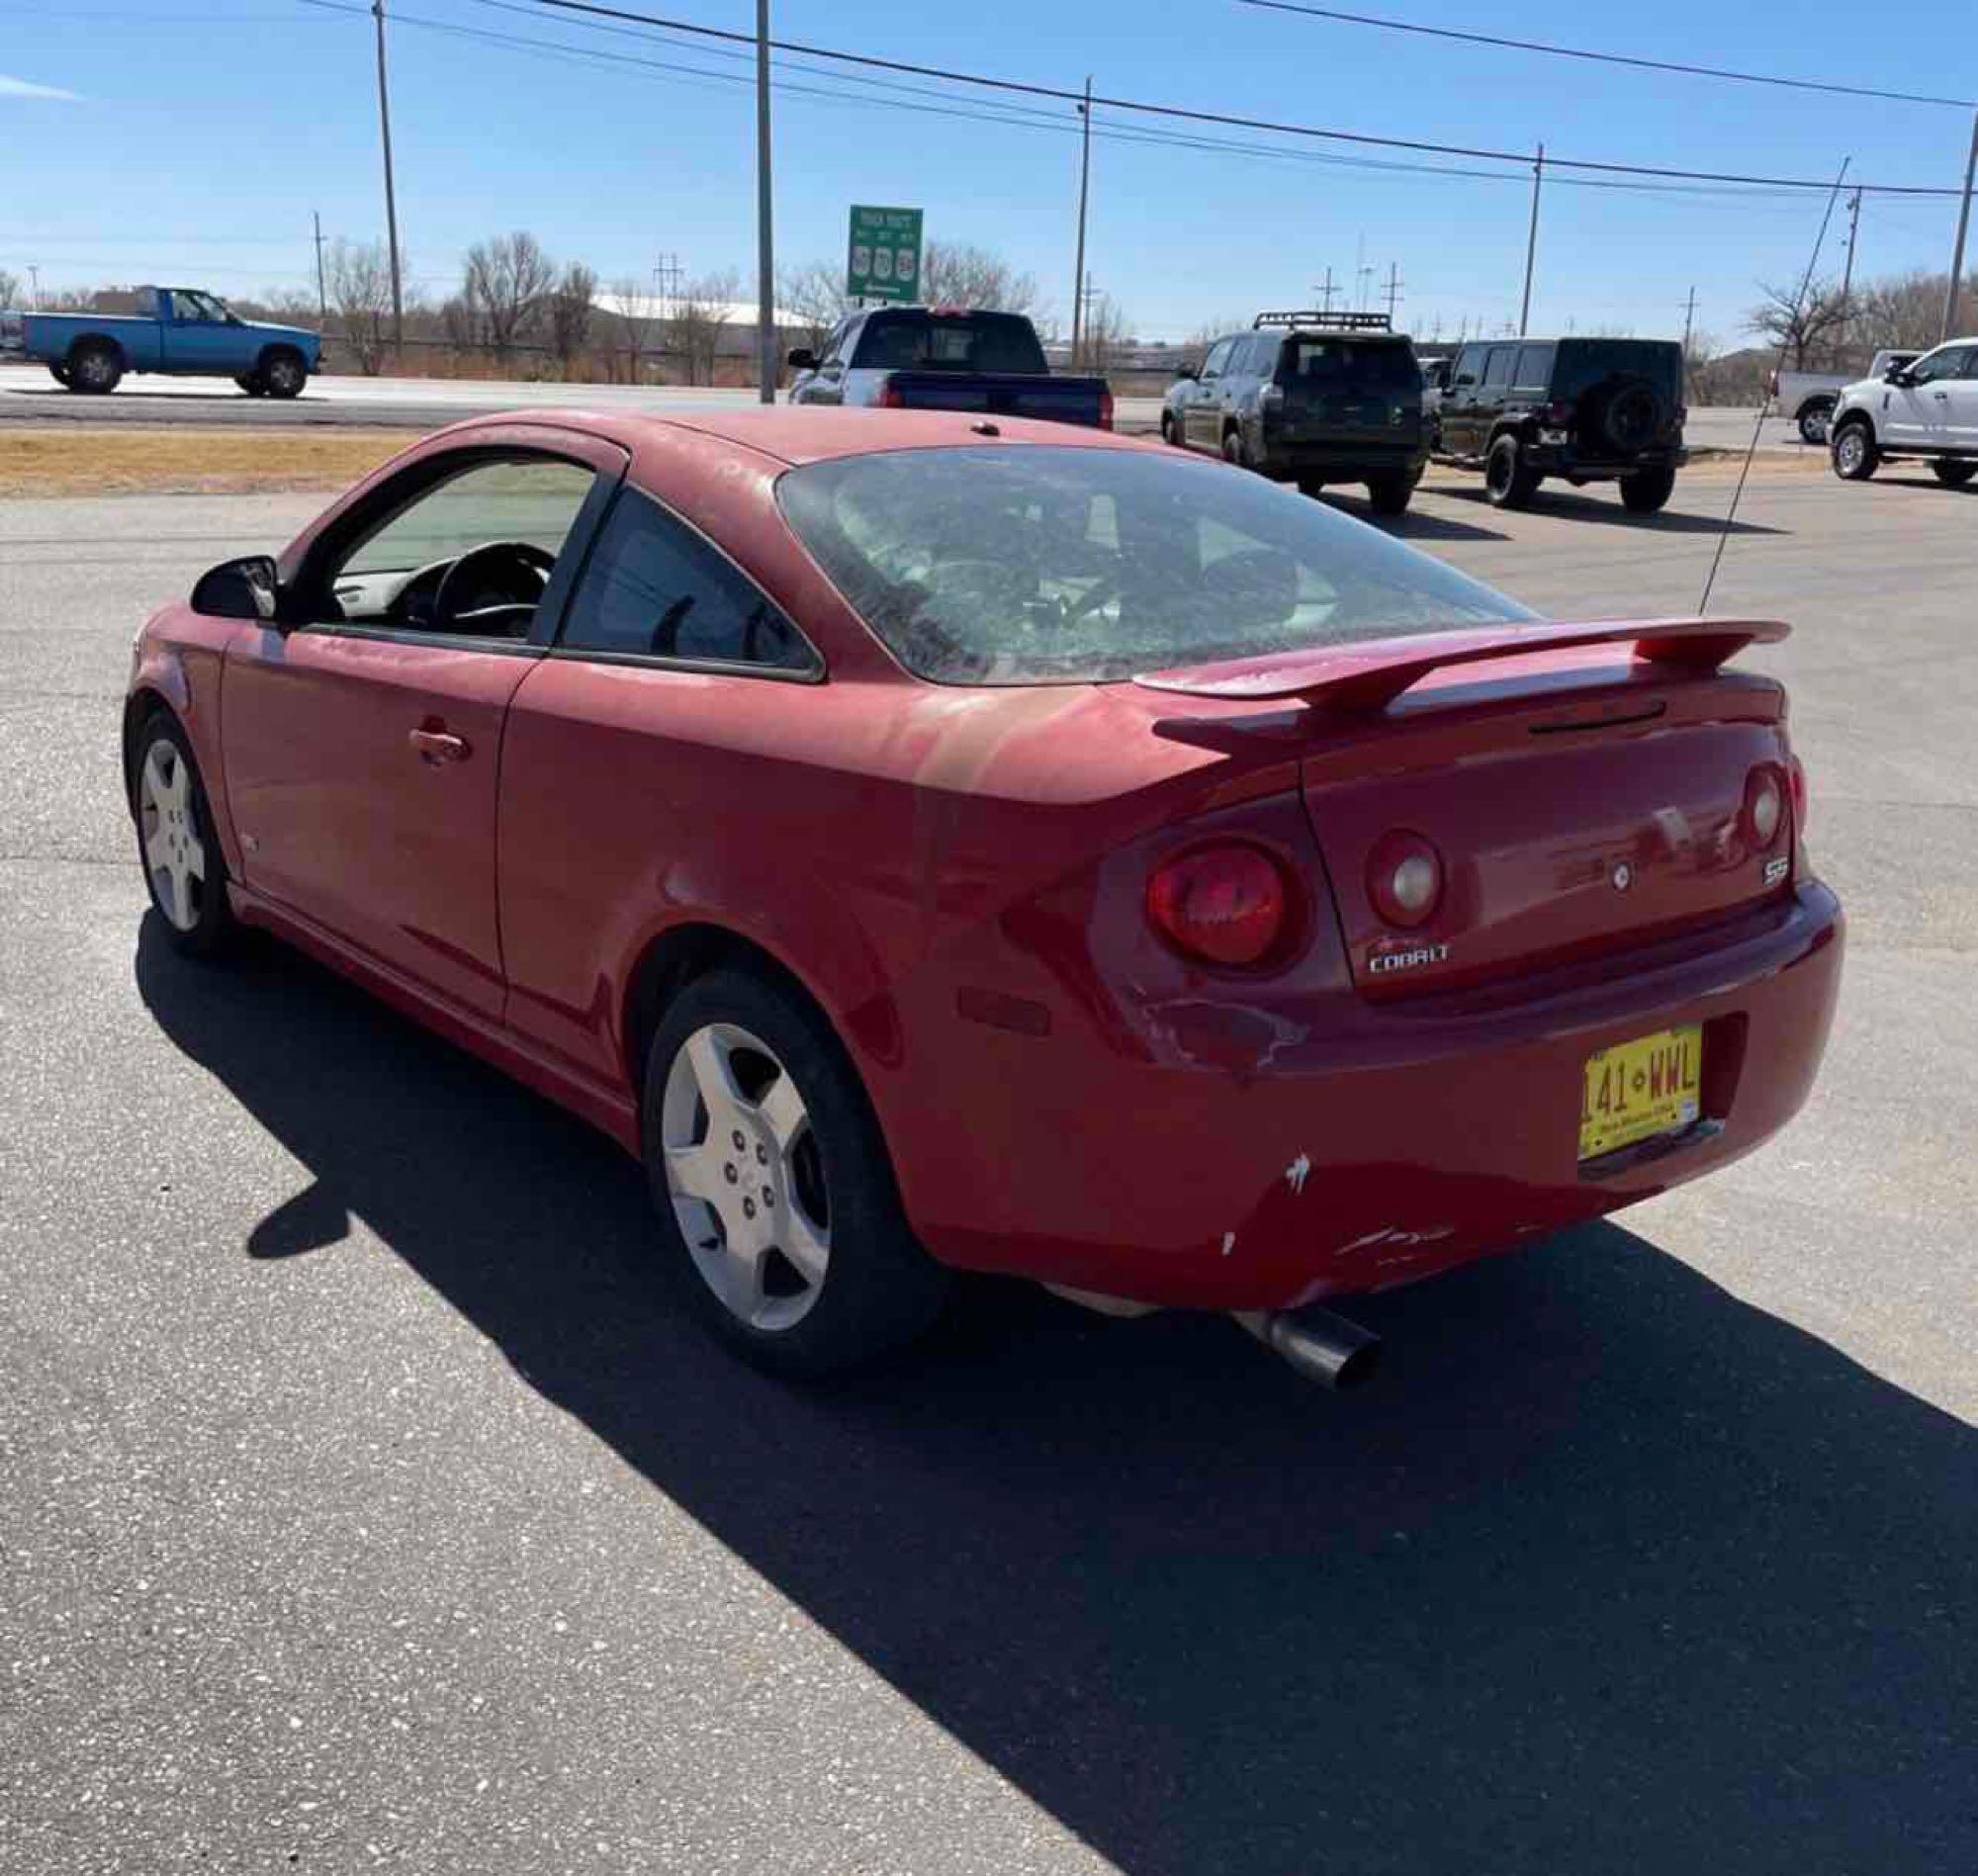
{"x":1577,"y":465}
{"x":1346,"y":461}
{"x":1197,"y":1154}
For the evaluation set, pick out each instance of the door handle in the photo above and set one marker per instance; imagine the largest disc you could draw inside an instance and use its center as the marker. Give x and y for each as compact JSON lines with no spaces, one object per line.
{"x":1942,"y":396}
{"x":440,"y":746}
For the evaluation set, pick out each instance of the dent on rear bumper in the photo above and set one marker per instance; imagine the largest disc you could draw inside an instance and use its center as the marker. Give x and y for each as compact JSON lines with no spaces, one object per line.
{"x":1258,"y":1155}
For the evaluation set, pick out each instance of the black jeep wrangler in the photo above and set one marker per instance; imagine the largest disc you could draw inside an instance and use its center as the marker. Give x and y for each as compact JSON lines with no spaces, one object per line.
{"x":1588,"y":410}
{"x":1310,"y":397}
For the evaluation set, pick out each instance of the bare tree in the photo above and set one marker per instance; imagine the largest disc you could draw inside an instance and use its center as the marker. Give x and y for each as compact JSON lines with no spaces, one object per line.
{"x":704,"y":307}
{"x":571,"y":303}
{"x":358,"y":277}
{"x":10,"y":288}
{"x":1105,"y":336}
{"x":504,"y":285}
{"x":815,"y":293}
{"x":1904,"y":312}
{"x":640,"y":317}
{"x":974,"y":277}
{"x":1808,"y":328}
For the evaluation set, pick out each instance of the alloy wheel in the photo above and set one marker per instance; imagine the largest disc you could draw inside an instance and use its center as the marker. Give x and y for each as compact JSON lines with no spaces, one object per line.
{"x":745,"y":1176}
{"x":1850,"y":449}
{"x":174,"y":853}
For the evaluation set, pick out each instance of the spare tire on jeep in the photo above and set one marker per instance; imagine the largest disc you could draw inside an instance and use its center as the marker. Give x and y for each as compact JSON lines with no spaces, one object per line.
{"x":1627,"y":414}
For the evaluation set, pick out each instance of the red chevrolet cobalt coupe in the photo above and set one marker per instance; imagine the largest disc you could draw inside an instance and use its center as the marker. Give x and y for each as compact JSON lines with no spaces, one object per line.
{"x":939,"y":843}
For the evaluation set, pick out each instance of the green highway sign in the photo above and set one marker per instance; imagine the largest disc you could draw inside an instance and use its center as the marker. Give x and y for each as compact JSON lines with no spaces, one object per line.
{"x":884,"y":258}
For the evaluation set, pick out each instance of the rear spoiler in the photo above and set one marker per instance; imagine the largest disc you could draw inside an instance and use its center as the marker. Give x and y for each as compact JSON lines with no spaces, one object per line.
{"x":1366,"y":677}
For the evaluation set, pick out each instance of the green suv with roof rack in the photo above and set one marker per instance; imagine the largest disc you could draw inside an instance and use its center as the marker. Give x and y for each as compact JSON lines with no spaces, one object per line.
{"x":1311,"y":398}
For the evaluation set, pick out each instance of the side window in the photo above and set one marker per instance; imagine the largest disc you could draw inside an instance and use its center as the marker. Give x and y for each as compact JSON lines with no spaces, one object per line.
{"x":518,"y":508}
{"x":1497,"y":372}
{"x":1263,"y":354}
{"x":1534,"y":372}
{"x":1469,"y":364}
{"x":1219,"y":357}
{"x":1948,"y":361}
{"x":193,"y":309}
{"x":654,"y":589}
{"x":834,"y":347}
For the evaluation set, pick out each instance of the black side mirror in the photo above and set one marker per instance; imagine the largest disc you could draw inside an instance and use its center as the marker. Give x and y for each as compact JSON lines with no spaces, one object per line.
{"x":1465,"y":378}
{"x":802,"y":358}
{"x":1187,"y":371}
{"x":1900,"y":375}
{"x":238,"y":589}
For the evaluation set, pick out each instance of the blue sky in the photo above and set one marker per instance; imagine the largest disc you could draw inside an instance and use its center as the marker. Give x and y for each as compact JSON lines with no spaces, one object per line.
{"x":201,"y":136}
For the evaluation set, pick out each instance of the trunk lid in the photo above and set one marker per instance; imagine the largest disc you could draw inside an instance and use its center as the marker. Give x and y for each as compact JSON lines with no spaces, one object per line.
{"x":1580,"y":802}
{"x":1347,"y":390}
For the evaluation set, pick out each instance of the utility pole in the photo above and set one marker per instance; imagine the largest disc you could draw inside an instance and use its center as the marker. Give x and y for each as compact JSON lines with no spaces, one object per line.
{"x":1084,"y":187}
{"x":1532,"y":241}
{"x":1957,"y":251}
{"x":1688,"y":321}
{"x":35,"y":279}
{"x":322,"y":296}
{"x":766,"y":252}
{"x":1394,"y":288}
{"x":1326,"y":290}
{"x":391,"y":196}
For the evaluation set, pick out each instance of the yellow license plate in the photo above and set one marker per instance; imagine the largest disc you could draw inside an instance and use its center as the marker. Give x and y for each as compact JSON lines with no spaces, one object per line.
{"x":1636,"y":1090}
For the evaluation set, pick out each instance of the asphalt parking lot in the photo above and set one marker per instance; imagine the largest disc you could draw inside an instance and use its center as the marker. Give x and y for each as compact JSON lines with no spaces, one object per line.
{"x":363,"y":1504}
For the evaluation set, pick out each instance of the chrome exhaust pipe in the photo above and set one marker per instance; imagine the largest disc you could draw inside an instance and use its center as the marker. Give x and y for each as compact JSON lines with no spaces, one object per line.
{"x":1318,"y":1345}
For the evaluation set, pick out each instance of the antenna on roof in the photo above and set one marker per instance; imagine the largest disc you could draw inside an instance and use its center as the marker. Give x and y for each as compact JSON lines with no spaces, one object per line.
{"x":1778,"y":364}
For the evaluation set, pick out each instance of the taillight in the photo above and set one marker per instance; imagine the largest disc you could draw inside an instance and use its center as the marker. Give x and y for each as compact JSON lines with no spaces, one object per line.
{"x":890,"y":398}
{"x":1764,"y":806}
{"x":1405,"y":878}
{"x":1558,"y":414}
{"x":1796,"y":781}
{"x":1225,"y":904}
{"x":1106,"y":407}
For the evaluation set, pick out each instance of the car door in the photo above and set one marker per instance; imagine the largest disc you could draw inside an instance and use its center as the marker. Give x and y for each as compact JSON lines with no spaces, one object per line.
{"x":1964,"y":392}
{"x":1203,"y":416}
{"x":827,"y":382}
{"x":1918,"y":413}
{"x":643,"y":765}
{"x":198,"y":335}
{"x":362,"y":738}
{"x":1457,"y":412}
{"x":1493,"y":390}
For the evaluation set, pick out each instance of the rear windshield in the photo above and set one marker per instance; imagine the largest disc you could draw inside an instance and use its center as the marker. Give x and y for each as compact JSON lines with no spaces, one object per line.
{"x":1348,"y":365}
{"x":1585,"y":363}
{"x":1044,"y":565}
{"x":962,"y":341}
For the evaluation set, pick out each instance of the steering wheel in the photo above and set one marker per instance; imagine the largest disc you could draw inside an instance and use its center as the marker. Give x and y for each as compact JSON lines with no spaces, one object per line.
{"x":506,"y":576}
{"x":1106,"y":589}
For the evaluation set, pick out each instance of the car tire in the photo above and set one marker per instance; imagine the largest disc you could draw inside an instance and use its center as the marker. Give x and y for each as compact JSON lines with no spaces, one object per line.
{"x":1856,"y":457}
{"x":59,"y":372}
{"x":1814,"y":421}
{"x":1648,"y":491}
{"x":185,"y":872}
{"x":1953,"y":473}
{"x":95,"y":368}
{"x":1509,"y":481}
{"x":830,"y":1277}
{"x":1171,"y":431}
{"x":1388,"y":495}
{"x":1234,"y":451}
{"x":1312,"y":486}
{"x":250,"y":383}
{"x":282,"y":372}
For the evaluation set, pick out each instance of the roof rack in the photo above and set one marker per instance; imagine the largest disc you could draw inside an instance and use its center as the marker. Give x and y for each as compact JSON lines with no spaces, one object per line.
{"x":1340,"y":321}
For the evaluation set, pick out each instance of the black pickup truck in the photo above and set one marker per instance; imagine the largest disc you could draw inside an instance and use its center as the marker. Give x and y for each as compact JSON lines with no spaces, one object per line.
{"x":945,"y":358}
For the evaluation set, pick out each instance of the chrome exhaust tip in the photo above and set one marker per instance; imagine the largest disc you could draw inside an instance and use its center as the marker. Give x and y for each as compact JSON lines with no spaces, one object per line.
{"x":1318,"y":1345}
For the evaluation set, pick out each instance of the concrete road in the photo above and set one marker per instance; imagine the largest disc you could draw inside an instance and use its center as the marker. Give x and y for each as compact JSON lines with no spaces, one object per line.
{"x":28,"y":395}
{"x":363,"y":1505}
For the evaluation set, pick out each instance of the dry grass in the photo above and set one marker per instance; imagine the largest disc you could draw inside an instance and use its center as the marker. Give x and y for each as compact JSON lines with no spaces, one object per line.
{"x":129,"y":459}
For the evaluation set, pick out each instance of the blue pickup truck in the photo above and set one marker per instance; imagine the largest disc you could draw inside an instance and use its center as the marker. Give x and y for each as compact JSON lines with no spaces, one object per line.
{"x":175,"y":329}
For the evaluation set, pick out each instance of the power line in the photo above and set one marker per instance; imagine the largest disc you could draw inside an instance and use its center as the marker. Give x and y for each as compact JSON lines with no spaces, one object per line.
{"x":1607,"y":59}
{"x":1184,"y":113}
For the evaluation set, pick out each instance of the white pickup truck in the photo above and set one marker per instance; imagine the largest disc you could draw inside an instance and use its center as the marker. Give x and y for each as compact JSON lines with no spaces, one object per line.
{"x":1809,"y":396}
{"x":1925,"y":411}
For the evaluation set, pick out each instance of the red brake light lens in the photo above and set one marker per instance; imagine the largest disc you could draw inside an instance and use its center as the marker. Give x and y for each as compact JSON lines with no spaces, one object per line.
{"x":1764,"y":806}
{"x":890,"y":398}
{"x":1224,"y":904}
{"x":1796,"y":780}
{"x":1106,"y":409}
{"x":1405,"y":878}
